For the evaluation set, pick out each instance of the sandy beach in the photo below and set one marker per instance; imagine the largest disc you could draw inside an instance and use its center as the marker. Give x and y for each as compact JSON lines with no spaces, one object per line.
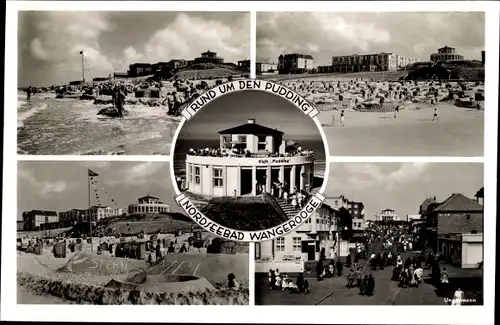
{"x":43,"y":279}
{"x":459,"y":132}
{"x":370,"y":128}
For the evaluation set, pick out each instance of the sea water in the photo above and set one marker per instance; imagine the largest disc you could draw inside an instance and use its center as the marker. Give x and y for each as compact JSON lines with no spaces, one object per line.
{"x":49,"y":126}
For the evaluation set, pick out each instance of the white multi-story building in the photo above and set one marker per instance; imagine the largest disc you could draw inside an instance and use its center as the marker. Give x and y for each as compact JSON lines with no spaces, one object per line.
{"x":370,"y":62}
{"x":295,"y":63}
{"x":446,"y":53}
{"x":266,"y":68}
{"x":403,"y":61}
{"x":359,"y":224}
{"x":387,"y":215}
{"x":252,"y":158}
{"x":339,"y":202}
{"x":302,"y":244}
{"x":100,"y":212}
{"x":69,"y":218}
{"x":148,"y":204}
{"x":35,"y":218}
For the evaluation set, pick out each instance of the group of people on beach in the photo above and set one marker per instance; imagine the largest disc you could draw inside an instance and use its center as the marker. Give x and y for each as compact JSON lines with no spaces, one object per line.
{"x":281,"y":282}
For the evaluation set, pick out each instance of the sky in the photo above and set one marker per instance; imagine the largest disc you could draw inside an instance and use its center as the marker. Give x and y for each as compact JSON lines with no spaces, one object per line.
{"x":61,"y":185}
{"x":402,"y":186}
{"x":236,"y":108}
{"x":50,"y":42}
{"x":324,"y":35}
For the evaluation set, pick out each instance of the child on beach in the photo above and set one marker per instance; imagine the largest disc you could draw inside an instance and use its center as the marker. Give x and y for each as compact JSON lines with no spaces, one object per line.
{"x":435,"y":117}
{"x":342,"y":118}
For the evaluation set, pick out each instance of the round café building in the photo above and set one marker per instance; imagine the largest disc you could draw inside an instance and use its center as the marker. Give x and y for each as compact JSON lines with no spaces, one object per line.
{"x":251,"y":159}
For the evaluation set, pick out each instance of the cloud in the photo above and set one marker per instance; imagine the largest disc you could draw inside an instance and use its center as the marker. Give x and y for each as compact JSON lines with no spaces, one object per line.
{"x":60,"y":36}
{"x":372,"y":175}
{"x":38,"y":51}
{"x":42,"y":188}
{"x":50,"y":42}
{"x":326,"y":34}
{"x":140,"y":174}
{"x":187,"y":37}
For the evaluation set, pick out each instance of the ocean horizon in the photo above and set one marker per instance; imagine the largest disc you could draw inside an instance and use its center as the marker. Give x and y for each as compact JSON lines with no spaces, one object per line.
{"x":183,"y":145}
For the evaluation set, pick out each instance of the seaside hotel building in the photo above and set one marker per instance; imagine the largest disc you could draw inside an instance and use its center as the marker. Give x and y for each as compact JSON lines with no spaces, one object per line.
{"x":251,"y":158}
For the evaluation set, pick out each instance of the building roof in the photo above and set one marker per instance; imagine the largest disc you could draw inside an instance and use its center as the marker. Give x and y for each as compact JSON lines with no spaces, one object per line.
{"x":297,"y":55}
{"x":426,"y":203}
{"x":44,"y":212}
{"x":140,"y":65}
{"x":148,"y":197}
{"x":446,"y":47}
{"x":209,"y":52}
{"x":251,"y":128}
{"x":459,"y":202}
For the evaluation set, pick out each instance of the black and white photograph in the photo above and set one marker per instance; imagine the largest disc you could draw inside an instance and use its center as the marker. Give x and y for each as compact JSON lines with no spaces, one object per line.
{"x":386,"y":83}
{"x":113,"y":83}
{"x":250,"y":160}
{"x":110,"y":233}
{"x":387,"y":234}
{"x":248,"y":154}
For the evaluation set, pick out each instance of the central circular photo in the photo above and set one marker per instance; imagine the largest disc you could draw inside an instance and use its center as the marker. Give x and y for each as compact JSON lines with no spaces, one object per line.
{"x":250,"y":162}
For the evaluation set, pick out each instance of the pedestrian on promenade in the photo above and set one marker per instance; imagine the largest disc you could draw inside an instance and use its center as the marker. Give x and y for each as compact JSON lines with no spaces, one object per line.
{"x":306,"y":287}
{"x":444,"y":280}
{"x":340,"y":266}
{"x":356,"y":259}
{"x":350,"y":279}
{"x":331,"y":269}
{"x":348,"y":260}
{"x":371,"y":285}
{"x":358,"y":277}
{"x":319,"y":270}
{"x":458,"y":298}
{"x":272,"y":279}
{"x":300,"y":282}
{"x":363,"y":288}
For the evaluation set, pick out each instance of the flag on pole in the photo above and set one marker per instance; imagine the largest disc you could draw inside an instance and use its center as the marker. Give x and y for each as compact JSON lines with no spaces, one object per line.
{"x":92,"y":174}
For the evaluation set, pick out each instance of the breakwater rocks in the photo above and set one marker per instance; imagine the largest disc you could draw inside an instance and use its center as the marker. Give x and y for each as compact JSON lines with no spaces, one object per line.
{"x":116,"y":294}
{"x":112,"y":112}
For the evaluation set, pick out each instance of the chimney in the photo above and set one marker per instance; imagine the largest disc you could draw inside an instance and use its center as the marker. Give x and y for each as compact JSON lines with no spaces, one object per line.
{"x":251,"y":121}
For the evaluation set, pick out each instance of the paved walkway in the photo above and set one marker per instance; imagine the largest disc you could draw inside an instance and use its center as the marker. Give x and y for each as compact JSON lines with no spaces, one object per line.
{"x":333,"y":291}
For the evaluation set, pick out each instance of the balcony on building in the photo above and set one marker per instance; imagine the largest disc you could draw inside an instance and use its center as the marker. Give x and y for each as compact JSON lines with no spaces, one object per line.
{"x":248,"y":155}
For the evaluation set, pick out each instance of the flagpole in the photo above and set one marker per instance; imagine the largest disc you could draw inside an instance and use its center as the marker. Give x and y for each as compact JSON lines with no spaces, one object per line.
{"x":83,"y":67}
{"x":90,"y":218}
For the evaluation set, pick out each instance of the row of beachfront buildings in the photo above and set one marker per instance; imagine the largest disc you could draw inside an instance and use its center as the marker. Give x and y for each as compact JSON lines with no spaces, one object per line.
{"x":44,"y":219}
{"x":296,"y":63}
{"x":453,"y":228}
{"x":147,"y":69}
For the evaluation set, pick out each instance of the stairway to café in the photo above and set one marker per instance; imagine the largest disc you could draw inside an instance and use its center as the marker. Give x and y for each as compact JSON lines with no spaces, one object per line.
{"x":288,"y":209}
